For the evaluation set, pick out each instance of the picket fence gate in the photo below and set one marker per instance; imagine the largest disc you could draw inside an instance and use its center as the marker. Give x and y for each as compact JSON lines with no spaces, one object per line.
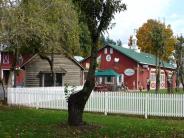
{"x":136,"y":103}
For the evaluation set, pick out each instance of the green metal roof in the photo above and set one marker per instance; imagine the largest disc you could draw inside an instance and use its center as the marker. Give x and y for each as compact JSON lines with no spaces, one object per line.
{"x":140,"y":57}
{"x":108,"y":72}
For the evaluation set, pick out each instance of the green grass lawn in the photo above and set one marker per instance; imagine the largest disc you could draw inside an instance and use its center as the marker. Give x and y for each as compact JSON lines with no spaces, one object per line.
{"x":32,"y":123}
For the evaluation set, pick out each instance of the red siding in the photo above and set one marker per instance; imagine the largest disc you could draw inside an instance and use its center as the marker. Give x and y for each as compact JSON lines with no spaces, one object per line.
{"x":20,"y":78}
{"x":141,"y":74}
{"x":124,"y":63}
{"x":6,"y":64}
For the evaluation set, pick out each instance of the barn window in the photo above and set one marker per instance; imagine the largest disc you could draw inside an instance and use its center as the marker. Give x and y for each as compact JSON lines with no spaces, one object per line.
{"x":6,"y":59}
{"x":111,"y":50}
{"x":109,"y":80}
{"x":162,"y":78}
{"x":105,"y":50}
{"x":153,"y":77}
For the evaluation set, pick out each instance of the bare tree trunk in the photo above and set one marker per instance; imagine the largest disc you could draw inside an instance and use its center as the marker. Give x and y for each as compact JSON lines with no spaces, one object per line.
{"x":77,"y":101}
{"x":172,"y":81}
{"x":177,"y":76}
{"x":52,"y":69}
{"x":157,"y":73}
{"x":182,"y":80}
{"x":177,"y":82}
{"x":168,"y":80}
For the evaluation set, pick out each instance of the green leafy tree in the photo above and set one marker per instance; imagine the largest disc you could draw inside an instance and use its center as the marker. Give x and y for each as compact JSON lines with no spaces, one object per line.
{"x":85,"y":41}
{"x":102,"y":41}
{"x":42,"y":27}
{"x":119,"y":43}
{"x":110,"y":41}
{"x":98,"y":15}
{"x":157,"y":41}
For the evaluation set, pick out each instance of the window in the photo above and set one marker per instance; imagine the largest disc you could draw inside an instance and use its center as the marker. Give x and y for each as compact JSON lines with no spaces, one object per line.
{"x":162,"y":78}
{"x":153,"y":77}
{"x":119,"y":80}
{"x":47,"y":80}
{"x":120,"y":77}
{"x":111,"y":50}
{"x":105,"y":50}
{"x":6,"y":74}
{"x":87,"y":65}
{"x":6,"y":59}
{"x":109,"y":80}
{"x":59,"y":79}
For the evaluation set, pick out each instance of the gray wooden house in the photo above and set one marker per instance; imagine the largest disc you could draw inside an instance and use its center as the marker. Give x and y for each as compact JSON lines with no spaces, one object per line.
{"x":66,"y":69}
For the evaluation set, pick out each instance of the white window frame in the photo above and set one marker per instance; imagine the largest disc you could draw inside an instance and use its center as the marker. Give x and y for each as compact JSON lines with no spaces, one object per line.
{"x":111,"y":50}
{"x":87,"y":65}
{"x":6,"y":59}
{"x":105,"y":50}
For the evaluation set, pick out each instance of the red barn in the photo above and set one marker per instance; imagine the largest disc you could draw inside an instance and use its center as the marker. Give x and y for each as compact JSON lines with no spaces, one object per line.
{"x":134,"y":67}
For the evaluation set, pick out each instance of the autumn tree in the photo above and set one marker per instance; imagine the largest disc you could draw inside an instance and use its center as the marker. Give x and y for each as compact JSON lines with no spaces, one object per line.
{"x":98,"y":15}
{"x":156,"y":38}
{"x":145,"y":42}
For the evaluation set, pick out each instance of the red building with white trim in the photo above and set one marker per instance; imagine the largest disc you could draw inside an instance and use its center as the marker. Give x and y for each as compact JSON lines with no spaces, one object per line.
{"x":135,"y":67}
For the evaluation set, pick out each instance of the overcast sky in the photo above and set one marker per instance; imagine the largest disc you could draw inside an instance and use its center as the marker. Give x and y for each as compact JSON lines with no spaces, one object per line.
{"x":139,"y":11}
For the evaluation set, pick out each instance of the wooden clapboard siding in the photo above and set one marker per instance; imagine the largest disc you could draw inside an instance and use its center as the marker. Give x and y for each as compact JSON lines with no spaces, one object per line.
{"x":33,"y":68}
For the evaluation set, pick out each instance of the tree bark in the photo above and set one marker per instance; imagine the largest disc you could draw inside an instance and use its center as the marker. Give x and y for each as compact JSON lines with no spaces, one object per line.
{"x":76,"y":104}
{"x":77,"y":101}
{"x":51,"y":64}
{"x":157,"y":73}
{"x":182,"y":80}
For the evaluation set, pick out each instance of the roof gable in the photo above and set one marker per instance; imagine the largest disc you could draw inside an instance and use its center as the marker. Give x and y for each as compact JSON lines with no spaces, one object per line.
{"x":34,"y":56}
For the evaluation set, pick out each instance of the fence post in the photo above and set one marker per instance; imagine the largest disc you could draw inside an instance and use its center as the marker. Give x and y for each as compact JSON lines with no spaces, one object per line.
{"x":9,"y":97}
{"x":146,"y":107}
{"x":106,"y":102}
{"x":37,"y":101}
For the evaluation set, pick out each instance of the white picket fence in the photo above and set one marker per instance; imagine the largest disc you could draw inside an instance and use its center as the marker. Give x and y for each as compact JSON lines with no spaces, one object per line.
{"x":108,"y":102}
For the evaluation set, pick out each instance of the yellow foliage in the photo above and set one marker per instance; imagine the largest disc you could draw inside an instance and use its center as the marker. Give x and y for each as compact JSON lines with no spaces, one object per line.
{"x":145,"y":42}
